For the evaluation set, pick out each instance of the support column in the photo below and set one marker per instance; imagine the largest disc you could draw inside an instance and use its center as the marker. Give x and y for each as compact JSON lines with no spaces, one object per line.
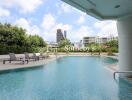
{"x":124,"y":27}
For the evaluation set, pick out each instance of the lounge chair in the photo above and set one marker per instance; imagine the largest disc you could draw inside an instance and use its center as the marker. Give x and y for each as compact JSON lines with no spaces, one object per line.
{"x":30,"y":57}
{"x":14,"y":58}
{"x":47,"y":55}
{"x":35,"y":56}
{"x":42,"y":56}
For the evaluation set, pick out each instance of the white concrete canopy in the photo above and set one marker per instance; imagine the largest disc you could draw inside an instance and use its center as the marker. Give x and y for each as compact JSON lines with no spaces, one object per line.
{"x":103,"y":9}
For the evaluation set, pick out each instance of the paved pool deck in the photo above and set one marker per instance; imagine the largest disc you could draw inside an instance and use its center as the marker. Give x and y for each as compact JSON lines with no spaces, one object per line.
{"x":18,"y":64}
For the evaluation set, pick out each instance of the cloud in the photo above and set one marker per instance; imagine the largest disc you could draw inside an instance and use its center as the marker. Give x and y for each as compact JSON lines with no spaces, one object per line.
{"x":28,"y":5}
{"x":78,"y":34}
{"x":65,"y":8}
{"x":48,"y":21}
{"x":81,"y":19}
{"x":22,"y":22}
{"x":63,"y":26}
{"x":24,"y":6}
{"x":31,"y":29}
{"x":4,"y":12}
{"x":106,"y":28}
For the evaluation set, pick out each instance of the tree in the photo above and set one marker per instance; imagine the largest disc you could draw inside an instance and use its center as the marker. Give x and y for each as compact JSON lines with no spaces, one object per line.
{"x":14,"y":39}
{"x":112,"y":43}
{"x":36,"y":41}
{"x":12,"y":35}
{"x":64,"y":43}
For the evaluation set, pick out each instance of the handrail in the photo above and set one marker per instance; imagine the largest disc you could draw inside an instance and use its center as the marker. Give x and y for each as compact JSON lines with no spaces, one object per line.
{"x":114,"y":75}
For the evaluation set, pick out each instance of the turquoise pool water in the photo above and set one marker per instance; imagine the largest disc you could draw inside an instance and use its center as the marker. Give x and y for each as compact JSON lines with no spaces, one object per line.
{"x":68,"y":78}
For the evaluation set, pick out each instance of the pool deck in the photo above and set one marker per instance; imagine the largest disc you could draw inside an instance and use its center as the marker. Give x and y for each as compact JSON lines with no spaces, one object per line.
{"x":18,"y":64}
{"x":112,"y":67}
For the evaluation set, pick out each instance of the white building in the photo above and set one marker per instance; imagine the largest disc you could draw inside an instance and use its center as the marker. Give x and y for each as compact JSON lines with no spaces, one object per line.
{"x":88,"y":40}
{"x":99,"y":40}
{"x":102,"y":40}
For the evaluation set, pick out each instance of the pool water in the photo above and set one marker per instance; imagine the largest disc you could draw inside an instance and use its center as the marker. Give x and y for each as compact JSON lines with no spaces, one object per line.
{"x":68,"y":78}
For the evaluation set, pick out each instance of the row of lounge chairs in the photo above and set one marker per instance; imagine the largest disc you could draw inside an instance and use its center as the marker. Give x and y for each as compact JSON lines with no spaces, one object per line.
{"x":26,"y":59}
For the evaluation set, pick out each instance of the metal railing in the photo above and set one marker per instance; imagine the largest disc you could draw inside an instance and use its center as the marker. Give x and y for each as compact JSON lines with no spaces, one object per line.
{"x":123,"y":72}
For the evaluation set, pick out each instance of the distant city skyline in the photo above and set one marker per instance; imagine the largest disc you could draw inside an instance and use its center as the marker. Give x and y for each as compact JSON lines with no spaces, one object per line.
{"x":44,"y":17}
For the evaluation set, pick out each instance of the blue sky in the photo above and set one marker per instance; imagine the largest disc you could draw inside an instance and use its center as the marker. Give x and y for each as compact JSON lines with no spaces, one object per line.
{"x":43,"y":17}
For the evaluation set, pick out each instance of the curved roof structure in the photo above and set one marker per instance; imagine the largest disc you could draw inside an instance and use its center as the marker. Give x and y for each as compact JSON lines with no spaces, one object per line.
{"x":103,"y":9}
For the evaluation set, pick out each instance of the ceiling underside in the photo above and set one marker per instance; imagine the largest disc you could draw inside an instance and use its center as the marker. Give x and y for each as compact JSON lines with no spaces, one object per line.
{"x":103,"y":9}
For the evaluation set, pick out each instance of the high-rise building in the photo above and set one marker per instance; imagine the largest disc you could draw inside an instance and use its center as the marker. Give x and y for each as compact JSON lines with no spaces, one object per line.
{"x":65,"y":34}
{"x":59,"y":36}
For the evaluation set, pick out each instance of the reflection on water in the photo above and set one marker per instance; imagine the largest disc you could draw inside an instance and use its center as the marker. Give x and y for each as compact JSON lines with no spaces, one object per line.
{"x":108,"y":60}
{"x":124,"y":89}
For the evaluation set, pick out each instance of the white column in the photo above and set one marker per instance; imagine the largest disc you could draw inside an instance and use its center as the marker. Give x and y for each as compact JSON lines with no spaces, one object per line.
{"x":124,"y":27}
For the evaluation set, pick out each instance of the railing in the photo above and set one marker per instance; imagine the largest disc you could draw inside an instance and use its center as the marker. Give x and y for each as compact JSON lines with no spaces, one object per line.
{"x":123,"y":72}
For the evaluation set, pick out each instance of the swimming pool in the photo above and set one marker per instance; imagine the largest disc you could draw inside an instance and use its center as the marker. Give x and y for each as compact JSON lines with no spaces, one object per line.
{"x":68,"y":78}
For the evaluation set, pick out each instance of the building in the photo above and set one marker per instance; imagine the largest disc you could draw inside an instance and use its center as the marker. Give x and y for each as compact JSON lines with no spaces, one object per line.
{"x":99,"y":40}
{"x":59,"y":36}
{"x":88,"y":40}
{"x":103,"y":40}
{"x":65,"y":34}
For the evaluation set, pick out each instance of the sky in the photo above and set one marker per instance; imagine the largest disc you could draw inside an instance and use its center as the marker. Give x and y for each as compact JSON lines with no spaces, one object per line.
{"x":44,"y":17}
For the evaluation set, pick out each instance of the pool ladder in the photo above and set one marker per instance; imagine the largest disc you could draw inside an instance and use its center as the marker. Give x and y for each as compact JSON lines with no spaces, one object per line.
{"x":122,"y":72}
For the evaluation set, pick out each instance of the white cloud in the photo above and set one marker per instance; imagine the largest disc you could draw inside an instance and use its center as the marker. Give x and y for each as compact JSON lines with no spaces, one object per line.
{"x":78,"y":34}
{"x":106,"y":28}
{"x":63,"y":8}
{"x":23,"y":5}
{"x":28,"y":5}
{"x":63,"y":26}
{"x":48,"y":21}
{"x":31,"y":29}
{"x":22,"y":22}
{"x":81,"y":19}
{"x":66,"y":8}
{"x":4,"y":12}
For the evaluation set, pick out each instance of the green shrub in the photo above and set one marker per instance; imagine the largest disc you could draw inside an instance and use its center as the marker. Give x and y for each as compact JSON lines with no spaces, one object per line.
{"x":110,"y":53}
